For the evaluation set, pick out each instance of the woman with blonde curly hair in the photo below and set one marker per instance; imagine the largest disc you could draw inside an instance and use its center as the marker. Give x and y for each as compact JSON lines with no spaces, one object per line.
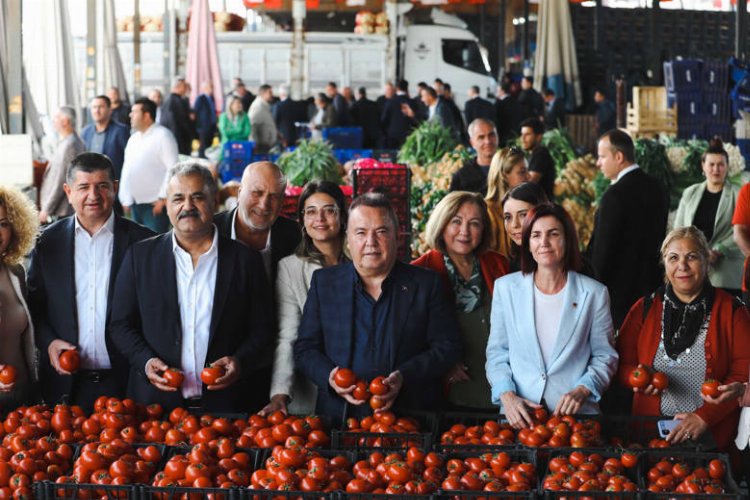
{"x":18,"y":230}
{"x":507,"y":170}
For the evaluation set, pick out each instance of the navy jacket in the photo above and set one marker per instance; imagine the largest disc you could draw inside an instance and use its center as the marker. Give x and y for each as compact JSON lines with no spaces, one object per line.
{"x":115,"y":138}
{"x":205,"y":114}
{"x":395,"y":123}
{"x":478,"y":108}
{"x":146,"y":318}
{"x":423,"y":326}
{"x":52,"y":295}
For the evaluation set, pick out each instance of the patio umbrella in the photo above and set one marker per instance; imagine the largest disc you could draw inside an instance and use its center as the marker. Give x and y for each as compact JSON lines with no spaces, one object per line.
{"x":109,"y":72}
{"x":202,"y":59}
{"x":556,"y":53}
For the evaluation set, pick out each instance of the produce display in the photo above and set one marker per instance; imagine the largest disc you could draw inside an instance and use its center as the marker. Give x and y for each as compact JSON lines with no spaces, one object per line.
{"x":363,"y":391}
{"x":579,"y":471}
{"x":380,"y":430}
{"x":684,"y":475}
{"x":310,"y":160}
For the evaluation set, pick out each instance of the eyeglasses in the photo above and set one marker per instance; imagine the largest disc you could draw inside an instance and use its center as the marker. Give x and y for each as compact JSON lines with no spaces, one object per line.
{"x":328,"y":211}
{"x":515,"y":150}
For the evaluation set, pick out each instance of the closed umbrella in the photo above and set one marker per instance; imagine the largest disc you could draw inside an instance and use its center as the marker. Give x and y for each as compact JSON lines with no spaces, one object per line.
{"x":109,"y":71}
{"x":203,"y":59}
{"x":556,"y":52}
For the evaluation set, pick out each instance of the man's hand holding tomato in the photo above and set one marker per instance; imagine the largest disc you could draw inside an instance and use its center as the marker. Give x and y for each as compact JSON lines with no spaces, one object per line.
{"x":231,"y":366}
{"x":344,"y":392}
{"x":394,"y":382}
{"x":55,"y":348}
{"x":154,"y":371}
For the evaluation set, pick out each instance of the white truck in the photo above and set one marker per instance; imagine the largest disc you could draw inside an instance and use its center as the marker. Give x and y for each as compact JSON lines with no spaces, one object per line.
{"x":445,"y":49}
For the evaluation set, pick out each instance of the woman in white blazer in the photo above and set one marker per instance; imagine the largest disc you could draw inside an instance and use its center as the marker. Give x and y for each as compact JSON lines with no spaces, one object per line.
{"x":19,"y":225}
{"x":709,"y":206}
{"x":322,"y":216}
{"x":551,"y":335}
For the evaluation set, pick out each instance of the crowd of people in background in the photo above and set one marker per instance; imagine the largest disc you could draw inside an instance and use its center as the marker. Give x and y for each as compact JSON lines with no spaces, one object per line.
{"x":505,"y":309}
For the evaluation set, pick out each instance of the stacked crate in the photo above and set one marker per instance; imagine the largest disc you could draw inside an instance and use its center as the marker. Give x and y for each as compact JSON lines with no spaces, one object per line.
{"x":700,"y":91}
{"x":649,"y":113}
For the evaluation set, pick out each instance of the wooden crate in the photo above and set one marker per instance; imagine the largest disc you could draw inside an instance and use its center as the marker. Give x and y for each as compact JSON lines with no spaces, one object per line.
{"x":582,"y":130}
{"x":649,"y":114}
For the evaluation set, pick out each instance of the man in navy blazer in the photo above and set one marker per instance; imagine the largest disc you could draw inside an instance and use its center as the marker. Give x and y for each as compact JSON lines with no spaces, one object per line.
{"x":192,"y":298}
{"x":377,"y":316}
{"x":205,"y":117}
{"x":71,"y":283}
{"x":105,"y":135}
{"x":398,"y":117}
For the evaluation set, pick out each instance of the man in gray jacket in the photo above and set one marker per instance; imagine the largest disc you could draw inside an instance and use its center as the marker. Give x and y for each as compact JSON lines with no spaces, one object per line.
{"x":262,"y":124}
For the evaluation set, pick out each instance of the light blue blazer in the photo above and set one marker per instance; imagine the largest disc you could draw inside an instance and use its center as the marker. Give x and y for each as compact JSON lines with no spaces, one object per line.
{"x":583,"y":353}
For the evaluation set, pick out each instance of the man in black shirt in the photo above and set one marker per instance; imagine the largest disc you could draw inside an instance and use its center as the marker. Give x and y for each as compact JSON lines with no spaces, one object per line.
{"x":541,"y":166}
{"x":473,"y":175}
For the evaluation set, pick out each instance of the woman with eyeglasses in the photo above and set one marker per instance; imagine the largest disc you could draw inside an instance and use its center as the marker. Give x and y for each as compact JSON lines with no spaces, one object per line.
{"x":322,"y":219}
{"x":508,"y":169}
{"x":457,"y":232}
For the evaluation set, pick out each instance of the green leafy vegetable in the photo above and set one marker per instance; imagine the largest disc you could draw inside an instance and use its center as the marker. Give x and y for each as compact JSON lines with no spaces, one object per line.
{"x":310,"y":160}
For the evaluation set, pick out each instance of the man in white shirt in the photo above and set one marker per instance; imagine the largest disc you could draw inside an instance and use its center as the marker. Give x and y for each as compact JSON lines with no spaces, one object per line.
{"x":71,"y":280}
{"x":189,"y":299}
{"x":150,"y":153}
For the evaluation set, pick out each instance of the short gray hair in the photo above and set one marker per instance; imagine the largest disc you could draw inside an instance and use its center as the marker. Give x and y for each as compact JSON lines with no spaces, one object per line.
{"x":477,"y":121}
{"x":197,"y":168}
{"x":69,"y":113}
{"x":284,"y":89}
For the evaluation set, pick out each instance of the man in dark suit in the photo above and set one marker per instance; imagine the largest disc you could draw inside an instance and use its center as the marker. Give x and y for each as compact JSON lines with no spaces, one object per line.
{"x":71,"y":284}
{"x":205,"y":117}
{"x":630,"y":226}
{"x":476,"y":107}
{"x":256,"y":223}
{"x":175,"y":115}
{"x":120,"y":109}
{"x":340,"y":106}
{"x":104,"y":135}
{"x":190,"y":299}
{"x":606,"y":115}
{"x":541,"y":165}
{"x":508,"y":114}
{"x":365,"y":114}
{"x":554,"y":114}
{"x":530,"y":100}
{"x":377,"y":316}
{"x":472,"y":176}
{"x":438,"y":111}
{"x":398,"y":117}
{"x":286,"y":114}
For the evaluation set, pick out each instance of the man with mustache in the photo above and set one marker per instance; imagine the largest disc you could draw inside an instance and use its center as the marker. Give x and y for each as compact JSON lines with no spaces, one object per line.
{"x":71,"y":282}
{"x":257,"y":224}
{"x":190,"y":299}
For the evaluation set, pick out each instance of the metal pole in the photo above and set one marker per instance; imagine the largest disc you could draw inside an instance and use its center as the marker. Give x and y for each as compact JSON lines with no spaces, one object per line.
{"x":525,"y":31}
{"x":501,"y":54}
{"x":15,"y":68}
{"x":598,"y":34}
{"x":740,"y":43}
{"x":137,"y":49}
{"x":297,"y":73}
{"x":91,"y":27}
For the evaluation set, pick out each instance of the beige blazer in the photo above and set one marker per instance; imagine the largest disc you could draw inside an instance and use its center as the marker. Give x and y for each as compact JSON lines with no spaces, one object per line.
{"x":18,"y":280}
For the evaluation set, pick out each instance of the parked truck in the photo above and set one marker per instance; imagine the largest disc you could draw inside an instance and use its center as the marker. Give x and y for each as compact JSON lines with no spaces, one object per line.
{"x":444,"y":49}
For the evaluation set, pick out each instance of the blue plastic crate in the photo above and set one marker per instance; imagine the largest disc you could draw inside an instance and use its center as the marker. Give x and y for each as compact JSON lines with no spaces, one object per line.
{"x":725,"y":131}
{"x":345,"y":155}
{"x":715,"y":76}
{"x":691,"y":131}
{"x":744,"y":145}
{"x":231,"y":169}
{"x":344,"y":137}
{"x":689,"y":108}
{"x":683,"y":75}
{"x":717,"y":108}
{"x":238,"y":150}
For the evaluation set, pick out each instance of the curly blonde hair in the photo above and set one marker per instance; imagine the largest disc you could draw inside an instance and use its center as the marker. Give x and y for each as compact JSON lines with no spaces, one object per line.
{"x":24,"y":221}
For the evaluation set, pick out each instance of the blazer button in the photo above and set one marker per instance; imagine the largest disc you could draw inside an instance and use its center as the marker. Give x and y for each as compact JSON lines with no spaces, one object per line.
{"x":544,"y":376}
{"x":708,"y":356}
{"x":709,"y":370}
{"x":708,"y":343}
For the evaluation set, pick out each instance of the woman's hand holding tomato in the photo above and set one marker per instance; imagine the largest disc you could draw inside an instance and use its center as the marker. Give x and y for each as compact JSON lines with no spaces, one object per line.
{"x":644,"y":379}
{"x":517,"y":411}
{"x":7,"y":378}
{"x":726,"y":392}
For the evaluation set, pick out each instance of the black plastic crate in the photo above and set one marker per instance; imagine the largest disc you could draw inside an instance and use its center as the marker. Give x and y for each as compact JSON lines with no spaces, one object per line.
{"x":48,"y":490}
{"x":344,"y":439}
{"x":631,"y":473}
{"x":147,"y":492}
{"x":628,"y":431}
{"x":694,"y":459}
{"x":517,"y":454}
{"x":447,"y":420}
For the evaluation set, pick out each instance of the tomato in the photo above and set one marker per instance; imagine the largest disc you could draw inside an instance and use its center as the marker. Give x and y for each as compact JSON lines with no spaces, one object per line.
{"x":628,"y":460}
{"x":344,"y":378}
{"x":660,"y":381}
{"x":716,"y":469}
{"x":70,"y":360}
{"x":210,"y":374}
{"x":377,"y":387}
{"x":8,"y":374}
{"x":357,"y":486}
{"x":640,"y":377}
{"x":361,"y":391}
{"x":376,"y":402}
{"x":174,"y":377}
{"x":710,"y":388}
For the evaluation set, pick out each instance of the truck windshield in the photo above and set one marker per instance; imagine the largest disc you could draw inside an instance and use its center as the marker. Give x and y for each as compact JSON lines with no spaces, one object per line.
{"x":465,"y":54}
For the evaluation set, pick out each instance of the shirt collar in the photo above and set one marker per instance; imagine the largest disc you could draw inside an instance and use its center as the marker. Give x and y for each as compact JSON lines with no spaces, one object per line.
{"x":176,"y":248}
{"x":625,"y":171}
{"x":108,"y":226}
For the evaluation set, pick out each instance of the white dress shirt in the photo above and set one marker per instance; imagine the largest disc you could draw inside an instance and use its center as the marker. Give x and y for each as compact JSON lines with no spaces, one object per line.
{"x":148,"y":157}
{"x":265,"y":254}
{"x":92,"y":265}
{"x":195,"y":295}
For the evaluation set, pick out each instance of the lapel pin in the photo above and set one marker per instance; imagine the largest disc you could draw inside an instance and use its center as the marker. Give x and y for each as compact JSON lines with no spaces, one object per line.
{"x":404,"y":288}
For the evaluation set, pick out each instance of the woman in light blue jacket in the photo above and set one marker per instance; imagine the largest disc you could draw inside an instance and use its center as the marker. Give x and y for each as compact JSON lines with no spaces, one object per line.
{"x":709,"y":206}
{"x":551,"y":335}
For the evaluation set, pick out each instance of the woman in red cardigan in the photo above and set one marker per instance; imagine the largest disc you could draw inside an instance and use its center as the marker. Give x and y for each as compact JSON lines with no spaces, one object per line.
{"x":458,"y":233}
{"x":691,"y":331}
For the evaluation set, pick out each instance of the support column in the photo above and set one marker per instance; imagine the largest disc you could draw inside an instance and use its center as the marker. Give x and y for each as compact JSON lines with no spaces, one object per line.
{"x":136,"y":50}
{"x":15,"y":68}
{"x":91,"y":28}
{"x":501,"y":53}
{"x":392,"y":69}
{"x":297,"y":55}
{"x":740,"y":30}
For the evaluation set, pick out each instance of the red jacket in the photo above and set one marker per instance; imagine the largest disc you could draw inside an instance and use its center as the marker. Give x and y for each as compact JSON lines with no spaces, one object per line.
{"x":492,"y":265}
{"x":727,"y":358}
